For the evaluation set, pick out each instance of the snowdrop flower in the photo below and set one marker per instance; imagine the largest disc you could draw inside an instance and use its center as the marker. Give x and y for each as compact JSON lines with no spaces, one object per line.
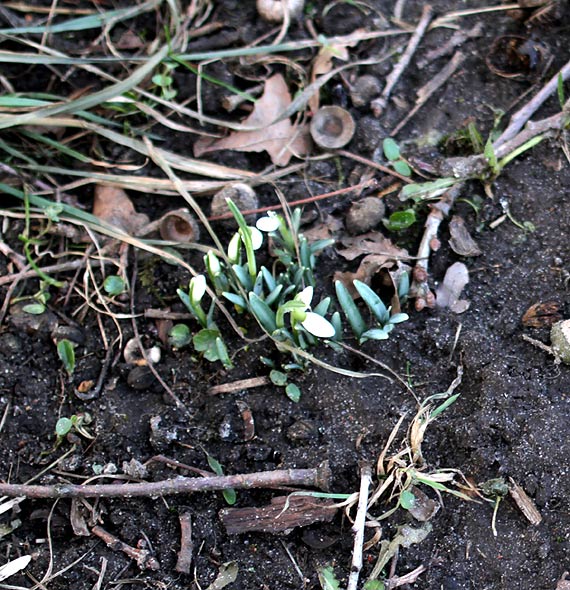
{"x":314,"y":323}
{"x":269,"y":223}
{"x":234,"y":248}
{"x":197,"y":288}
{"x":256,"y":237}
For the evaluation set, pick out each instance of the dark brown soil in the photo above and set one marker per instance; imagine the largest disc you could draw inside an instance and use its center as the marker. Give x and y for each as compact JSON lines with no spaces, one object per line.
{"x":511,"y":420}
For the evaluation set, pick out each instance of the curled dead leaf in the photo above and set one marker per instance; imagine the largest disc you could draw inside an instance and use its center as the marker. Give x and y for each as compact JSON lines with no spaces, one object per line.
{"x":461,"y":241}
{"x":113,"y":205}
{"x":280,"y":140}
{"x":542,"y":315}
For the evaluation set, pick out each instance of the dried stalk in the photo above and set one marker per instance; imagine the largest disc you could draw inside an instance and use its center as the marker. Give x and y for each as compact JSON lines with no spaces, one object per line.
{"x":317,"y":477}
{"x":358,"y":526}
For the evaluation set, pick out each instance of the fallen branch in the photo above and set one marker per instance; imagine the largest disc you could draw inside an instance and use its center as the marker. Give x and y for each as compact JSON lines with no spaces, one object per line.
{"x":318,"y":477}
{"x":519,"y":119}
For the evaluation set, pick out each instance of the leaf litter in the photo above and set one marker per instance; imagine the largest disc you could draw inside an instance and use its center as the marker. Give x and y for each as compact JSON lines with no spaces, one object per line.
{"x":280,"y":140}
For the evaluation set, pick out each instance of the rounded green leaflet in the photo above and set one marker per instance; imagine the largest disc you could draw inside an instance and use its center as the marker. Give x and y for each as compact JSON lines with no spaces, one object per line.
{"x":179,"y":336}
{"x":278,"y":378}
{"x":391,"y":149}
{"x":114,"y":285}
{"x":63,"y":426}
{"x":407,"y":499}
{"x":293,"y":392}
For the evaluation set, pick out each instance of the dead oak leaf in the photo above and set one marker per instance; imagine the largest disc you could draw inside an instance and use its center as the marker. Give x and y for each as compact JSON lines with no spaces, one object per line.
{"x":370,"y":243}
{"x":280,"y":140}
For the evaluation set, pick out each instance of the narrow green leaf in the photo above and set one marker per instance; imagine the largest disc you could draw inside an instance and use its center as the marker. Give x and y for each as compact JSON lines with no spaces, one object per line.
{"x":398,"y":318}
{"x":328,"y":579}
{"x":262,"y":312}
{"x":355,"y":319}
{"x":66,"y":354}
{"x":560,"y":89}
{"x":222,"y":353}
{"x":235,"y":299}
{"x":441,"y":408}
{"x":375,"y":334}
{"x":374,"y":302}
{"x":411,"y":190}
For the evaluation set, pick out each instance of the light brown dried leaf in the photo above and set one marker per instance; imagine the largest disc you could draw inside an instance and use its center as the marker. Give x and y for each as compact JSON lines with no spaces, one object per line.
{"x":281,"y":140}
{"x":371,"y":243}
{"x":323,"y":64}
{"x":113,"y":206}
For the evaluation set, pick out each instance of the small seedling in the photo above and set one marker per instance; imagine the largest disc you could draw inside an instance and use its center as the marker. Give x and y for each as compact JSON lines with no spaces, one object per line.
{"x":179,"y":336}
{"x":75,"y":423}
{"x":230,"y":495}
{"x":114,"y":285}
{"x":392,"y":153}
{"x":400,"y":220}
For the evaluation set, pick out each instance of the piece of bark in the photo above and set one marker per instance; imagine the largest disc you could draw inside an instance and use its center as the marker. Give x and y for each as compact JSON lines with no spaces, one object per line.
{"x":275,"y":518}
{"x":186,"y":553}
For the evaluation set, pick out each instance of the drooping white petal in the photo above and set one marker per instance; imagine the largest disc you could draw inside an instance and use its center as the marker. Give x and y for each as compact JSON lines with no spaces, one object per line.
{"x":318,"y":326}
{"x":268,"y":223}
{"x":213,"y":264}
{"x":256,"y":237}
{"x":197,"y":288}
{"x":306,"y":296}
{"x":234,"y":248}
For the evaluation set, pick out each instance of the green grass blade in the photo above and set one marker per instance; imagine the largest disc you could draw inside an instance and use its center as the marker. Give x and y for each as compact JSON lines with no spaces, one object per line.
{"x":91,"y":100}
{"x":350,"y":310}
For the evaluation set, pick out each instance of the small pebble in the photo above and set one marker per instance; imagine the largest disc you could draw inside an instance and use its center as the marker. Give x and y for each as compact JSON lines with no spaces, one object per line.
{"x":364,"y":215}
{"x":560,"y":339}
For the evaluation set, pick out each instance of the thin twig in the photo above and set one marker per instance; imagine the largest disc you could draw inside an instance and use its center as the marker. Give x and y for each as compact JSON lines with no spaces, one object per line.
{"x":379,"y":104}
{"x":142,"y":556}
{"x":359,"y":525}
{"x":239,"y":385}
{"x":519,"y":119}
{"x":317,"y":477}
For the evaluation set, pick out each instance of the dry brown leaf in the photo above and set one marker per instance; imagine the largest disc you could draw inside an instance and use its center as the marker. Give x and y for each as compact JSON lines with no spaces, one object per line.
{"x":323,"y":65}
{"x":325,"y":230}
{"x":113,"y":206}
{"x":281,"y":140}
{"x":372,"y":242}
{"x":461,"y":241}
{"x":543,"y":314}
